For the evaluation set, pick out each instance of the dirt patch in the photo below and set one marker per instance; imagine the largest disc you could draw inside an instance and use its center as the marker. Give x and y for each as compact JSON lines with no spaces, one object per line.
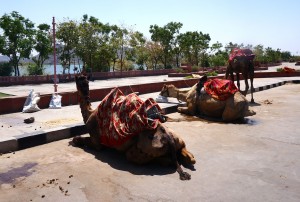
{"x":59,"y":122}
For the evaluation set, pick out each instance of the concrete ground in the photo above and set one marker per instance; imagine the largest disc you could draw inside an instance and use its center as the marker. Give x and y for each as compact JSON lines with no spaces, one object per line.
{"x":253,"y":161}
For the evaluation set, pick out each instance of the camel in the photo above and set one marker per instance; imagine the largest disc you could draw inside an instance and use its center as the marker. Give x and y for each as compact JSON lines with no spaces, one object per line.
{"x":153,"y":142}
{"x":241,"y":61}
{"x":235,"y":107}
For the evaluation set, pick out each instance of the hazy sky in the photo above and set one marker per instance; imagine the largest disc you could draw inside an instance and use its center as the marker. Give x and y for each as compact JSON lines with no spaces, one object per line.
{"x":272,"y":23}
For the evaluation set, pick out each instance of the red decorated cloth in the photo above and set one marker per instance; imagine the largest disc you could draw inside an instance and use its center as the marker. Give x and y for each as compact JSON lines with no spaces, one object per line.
{"x":220,"y":89}
{"x":121,"y":117}
{"x":241,"y":52}
{"x":288,"y":69}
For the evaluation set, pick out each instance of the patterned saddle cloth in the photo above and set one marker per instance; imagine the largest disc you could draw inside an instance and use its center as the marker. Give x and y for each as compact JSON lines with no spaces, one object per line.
{"x":121,"y":117}
{"x":220,"y":89}
{"x":241,"y":52}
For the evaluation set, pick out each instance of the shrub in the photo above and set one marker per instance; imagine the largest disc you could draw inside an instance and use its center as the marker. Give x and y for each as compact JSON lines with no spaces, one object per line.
{"x":179,"y":70}
{"x":195,"y":68}
{"x":34,"y":69}
{"x":279,"y":70}
{"x":168,"y":67}
{"x":5,"y":69}
{"x":213,"y":73}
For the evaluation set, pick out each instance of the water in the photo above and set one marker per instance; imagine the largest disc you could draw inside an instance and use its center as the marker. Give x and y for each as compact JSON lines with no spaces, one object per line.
{"x":48,"y":69}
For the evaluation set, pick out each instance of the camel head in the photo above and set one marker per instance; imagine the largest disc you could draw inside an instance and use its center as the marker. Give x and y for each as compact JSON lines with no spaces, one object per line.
{"x":164,"y":142}
{"x":168,"y":90}
{"x":82,"y":85}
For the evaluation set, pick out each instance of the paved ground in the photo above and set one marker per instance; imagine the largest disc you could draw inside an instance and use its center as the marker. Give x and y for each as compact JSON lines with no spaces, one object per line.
{"x":254,"y":161}
{"x":56,"y":124}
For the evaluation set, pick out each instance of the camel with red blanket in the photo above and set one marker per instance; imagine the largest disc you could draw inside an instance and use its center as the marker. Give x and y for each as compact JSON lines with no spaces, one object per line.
{"x":132,"y":126}
{"x":241,"y":61}
{"x":220,"y":99}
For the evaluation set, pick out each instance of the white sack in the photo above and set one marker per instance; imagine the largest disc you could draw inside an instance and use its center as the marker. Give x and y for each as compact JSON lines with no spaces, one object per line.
{"x":55,"y":102}
{"x":31,"y":102}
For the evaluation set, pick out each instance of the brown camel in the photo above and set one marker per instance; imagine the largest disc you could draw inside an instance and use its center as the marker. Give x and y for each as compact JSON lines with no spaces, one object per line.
{"x":157,"y":143}
{"x":241,"y":61}
{"x":233,"y":108}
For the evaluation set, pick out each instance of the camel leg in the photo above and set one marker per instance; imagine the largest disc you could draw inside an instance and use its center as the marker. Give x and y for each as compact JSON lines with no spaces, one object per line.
{"x":186,"y":110}
{"x":238,"y":80}
{"x":251,"y":82}
{"x":86,"y":141}
{"x":246,"y":84}
{"x":252,"y":90}
{"x":183,"y":175}
{"x":227,"y":72}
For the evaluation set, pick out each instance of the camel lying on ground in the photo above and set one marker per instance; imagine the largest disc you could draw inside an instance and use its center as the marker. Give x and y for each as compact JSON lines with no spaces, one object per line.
{"x":152,"y":142}
{"x":199,"y":102}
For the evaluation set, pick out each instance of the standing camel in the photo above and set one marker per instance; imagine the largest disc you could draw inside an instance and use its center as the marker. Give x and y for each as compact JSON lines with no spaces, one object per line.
{"x":241,"y":61}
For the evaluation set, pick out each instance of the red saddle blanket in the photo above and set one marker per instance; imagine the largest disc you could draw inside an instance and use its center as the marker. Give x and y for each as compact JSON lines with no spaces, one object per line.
{"x":288,"y":69}
{"x":241,"y":52}
{"x":220,"y":89}
{"x":121,"y":117}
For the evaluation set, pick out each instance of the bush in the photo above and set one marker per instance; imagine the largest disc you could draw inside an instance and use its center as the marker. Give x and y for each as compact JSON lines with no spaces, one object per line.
{"x":195,"y":68}
{"x":34,"y":69}
{"x":279,"y":70}
{"x":179,"y":70}
{"x":213,"y":73}
{"x":5,"y":69}
{"x":168,"y":67}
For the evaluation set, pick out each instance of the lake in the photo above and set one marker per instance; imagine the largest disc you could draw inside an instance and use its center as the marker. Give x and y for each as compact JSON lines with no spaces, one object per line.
{"x":49,"y":69}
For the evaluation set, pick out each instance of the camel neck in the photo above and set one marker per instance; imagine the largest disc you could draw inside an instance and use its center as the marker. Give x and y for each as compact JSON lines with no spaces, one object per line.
{"x":181,"y":96}
{"x":85,"y":106}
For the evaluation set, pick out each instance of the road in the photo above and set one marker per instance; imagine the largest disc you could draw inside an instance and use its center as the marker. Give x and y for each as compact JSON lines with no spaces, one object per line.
{"x":253,"y":161}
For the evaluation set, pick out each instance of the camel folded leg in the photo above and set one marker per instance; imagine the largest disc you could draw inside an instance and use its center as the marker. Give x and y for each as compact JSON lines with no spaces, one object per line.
{"x":86,"y":142}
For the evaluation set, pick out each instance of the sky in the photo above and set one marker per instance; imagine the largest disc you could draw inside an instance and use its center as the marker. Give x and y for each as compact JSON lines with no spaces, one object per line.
{"x":271,"y":23}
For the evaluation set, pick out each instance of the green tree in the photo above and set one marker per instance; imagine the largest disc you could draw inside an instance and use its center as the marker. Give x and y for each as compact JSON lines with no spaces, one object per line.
{"x":17,"y":39}
{"x":43,"y":45}
{"x":138,"y":52}
{"x":166,"y":36}
{"x":92,"y":35}
{"x":154,"y":51}
{"x":286,"y":56}
{"x":68,"y":35}
{"x":259,"y":54}
{"x":194,"y":46}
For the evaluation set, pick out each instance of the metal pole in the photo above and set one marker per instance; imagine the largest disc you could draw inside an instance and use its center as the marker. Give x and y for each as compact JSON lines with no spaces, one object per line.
{"x":54,"y":56}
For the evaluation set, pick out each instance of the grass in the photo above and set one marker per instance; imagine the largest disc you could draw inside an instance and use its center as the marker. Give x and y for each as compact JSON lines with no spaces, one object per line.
{"x":2,"y":95}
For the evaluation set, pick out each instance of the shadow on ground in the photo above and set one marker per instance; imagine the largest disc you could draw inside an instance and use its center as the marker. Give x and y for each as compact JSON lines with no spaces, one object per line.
{"x":117,"y":160}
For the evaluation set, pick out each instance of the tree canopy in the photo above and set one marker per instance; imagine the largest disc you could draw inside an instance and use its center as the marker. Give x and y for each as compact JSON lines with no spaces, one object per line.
{"x":102,"y":47}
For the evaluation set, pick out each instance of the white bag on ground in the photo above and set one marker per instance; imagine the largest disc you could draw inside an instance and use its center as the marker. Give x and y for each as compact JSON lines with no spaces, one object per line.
{"x":31,"y":102}
{"x":55,"y":102}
